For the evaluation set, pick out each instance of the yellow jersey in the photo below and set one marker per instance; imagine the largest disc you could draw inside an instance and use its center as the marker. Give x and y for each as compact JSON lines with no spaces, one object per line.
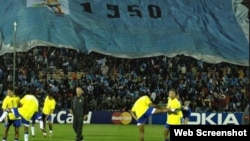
{"x":29,"y":105}
{"x":48,"y":106}
{"x":174,"y":119}
{"x":9,"y":103}
{"x":141,"y":106}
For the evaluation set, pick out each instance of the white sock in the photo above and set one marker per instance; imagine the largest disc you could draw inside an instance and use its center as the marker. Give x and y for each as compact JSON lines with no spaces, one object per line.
{"x":41,"y":124}
{"x":50,"y":131}
{"x":32,"y":130}
{"x":26,"y":137}
{"x":4,"y":115}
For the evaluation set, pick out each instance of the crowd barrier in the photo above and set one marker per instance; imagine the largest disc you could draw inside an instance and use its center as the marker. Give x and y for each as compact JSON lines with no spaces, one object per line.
{"x":110,"y":117}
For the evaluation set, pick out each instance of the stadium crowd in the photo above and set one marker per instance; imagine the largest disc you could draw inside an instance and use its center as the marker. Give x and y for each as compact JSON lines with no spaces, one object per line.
{"x":112,"y":83}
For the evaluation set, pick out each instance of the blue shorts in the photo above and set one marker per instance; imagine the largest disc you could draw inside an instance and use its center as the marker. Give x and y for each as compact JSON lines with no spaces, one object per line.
{"x":36,"y":116}
{"x":167,"y":126}
{"x":24,"y":121}
{"x":186,"y":113}
{"x":16,"y":123}
{"x":145,"y":116}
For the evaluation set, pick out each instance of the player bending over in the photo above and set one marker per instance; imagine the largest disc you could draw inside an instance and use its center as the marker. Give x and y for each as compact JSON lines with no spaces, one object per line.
{"x":142,"y":109}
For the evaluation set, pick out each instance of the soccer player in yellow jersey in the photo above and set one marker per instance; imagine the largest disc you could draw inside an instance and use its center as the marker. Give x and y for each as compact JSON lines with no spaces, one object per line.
{"x":27,"y":111}
{"x":142,"y":109}
{"x":174,"y":114}
{"x":11,"y":101}
{"x":48,"y":109}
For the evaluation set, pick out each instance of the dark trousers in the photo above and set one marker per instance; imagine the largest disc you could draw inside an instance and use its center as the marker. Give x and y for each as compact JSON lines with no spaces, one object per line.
{"x":77,"y":126}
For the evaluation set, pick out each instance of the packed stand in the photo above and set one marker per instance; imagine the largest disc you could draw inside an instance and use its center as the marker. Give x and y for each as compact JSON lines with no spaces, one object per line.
{"x":113,"y":83}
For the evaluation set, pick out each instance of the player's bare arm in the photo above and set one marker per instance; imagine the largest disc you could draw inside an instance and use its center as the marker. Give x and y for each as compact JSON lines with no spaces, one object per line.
{"x":133,"y":115}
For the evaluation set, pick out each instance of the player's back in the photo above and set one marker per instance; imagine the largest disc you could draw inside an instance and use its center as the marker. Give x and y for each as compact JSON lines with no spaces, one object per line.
{"x":29,"y":105}
{"x":141,"y":105}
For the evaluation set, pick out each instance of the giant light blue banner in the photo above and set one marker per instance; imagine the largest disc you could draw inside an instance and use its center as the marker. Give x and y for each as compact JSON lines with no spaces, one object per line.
{"x":204,"y":29}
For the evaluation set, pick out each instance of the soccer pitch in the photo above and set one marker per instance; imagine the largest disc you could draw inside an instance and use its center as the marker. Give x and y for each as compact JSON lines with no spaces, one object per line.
{"x":94,"y":132}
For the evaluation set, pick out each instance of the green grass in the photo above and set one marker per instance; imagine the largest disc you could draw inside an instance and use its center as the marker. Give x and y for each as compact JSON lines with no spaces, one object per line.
{"x":95,"y":132}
